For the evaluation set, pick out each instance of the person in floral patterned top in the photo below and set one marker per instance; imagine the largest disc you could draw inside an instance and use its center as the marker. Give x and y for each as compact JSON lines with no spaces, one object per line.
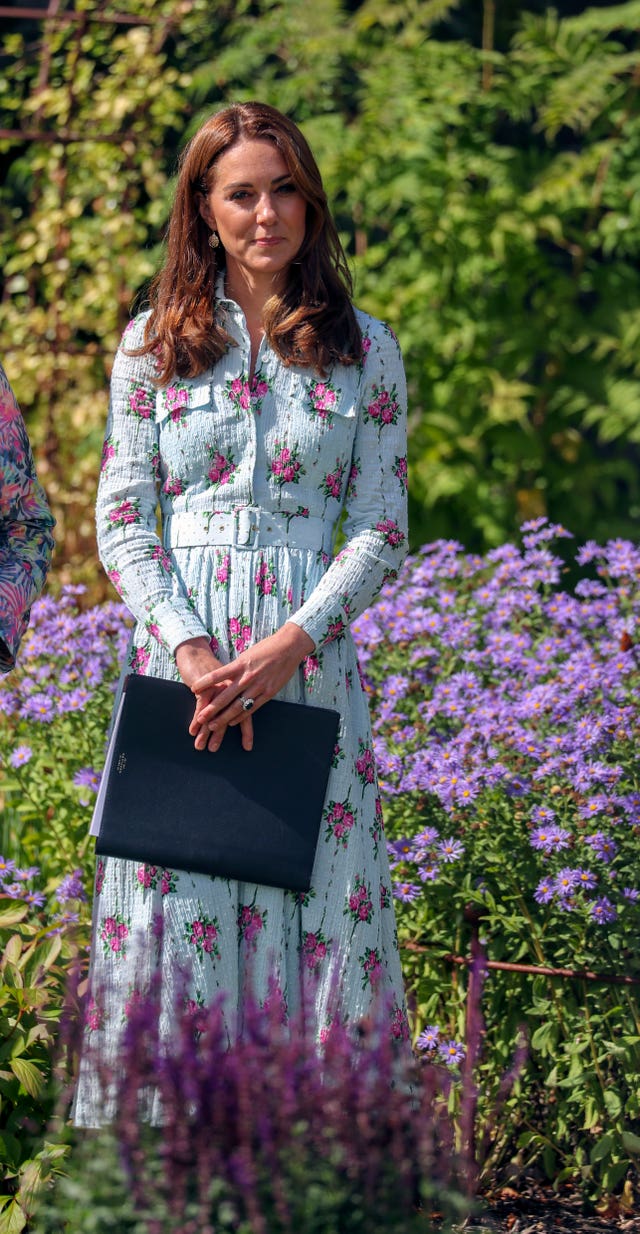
{"x":26,"y":524}
{"x":261,"y":411}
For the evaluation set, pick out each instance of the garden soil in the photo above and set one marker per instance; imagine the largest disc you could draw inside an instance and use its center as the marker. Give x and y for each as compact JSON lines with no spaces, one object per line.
{"x":539,"y":1210}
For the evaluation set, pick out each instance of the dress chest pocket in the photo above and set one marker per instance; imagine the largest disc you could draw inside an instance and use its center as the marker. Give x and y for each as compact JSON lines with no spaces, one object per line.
{"x":332,"y":399}
{"x":175,"y":401}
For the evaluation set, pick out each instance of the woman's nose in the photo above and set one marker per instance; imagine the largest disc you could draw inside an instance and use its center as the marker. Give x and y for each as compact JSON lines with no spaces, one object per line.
{"x":266,"y":212}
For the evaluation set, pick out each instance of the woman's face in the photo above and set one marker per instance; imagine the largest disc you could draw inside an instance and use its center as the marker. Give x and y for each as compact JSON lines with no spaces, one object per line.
{"x":257,"y":210}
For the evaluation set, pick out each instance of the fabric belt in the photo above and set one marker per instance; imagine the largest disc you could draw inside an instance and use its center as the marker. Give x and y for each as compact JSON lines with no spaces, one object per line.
{"x":249,"y":527}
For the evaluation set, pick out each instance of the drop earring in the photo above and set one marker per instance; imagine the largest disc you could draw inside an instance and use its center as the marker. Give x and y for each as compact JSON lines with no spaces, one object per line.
{"x":214,"y":240}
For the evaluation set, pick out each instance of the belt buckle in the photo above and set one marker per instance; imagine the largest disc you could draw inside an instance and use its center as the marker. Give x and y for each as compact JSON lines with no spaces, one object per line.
{"x":247,"y":527}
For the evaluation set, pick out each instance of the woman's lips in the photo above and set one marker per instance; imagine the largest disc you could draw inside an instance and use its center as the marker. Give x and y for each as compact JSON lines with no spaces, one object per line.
{"x":268,"y":241}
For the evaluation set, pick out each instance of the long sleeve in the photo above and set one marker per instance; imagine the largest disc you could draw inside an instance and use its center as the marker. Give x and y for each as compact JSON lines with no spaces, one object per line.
{"x":375,"y":524}
{"x":26,"y":524}
{"x":126,"y":511}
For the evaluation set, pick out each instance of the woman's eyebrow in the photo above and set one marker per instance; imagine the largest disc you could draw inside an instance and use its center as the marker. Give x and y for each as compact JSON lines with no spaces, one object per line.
{"x":247,"y":184}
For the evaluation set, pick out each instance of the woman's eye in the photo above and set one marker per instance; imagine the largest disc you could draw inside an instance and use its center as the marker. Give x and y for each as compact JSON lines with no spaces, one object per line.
{"x":287,"y":188}
{"x":239,"y":195}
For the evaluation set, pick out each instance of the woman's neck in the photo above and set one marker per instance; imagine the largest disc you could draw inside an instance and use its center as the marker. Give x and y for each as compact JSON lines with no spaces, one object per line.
{"x":251,"y":292}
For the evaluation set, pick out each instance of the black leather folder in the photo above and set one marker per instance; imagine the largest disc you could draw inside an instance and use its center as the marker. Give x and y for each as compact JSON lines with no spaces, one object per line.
{"x":248,"y":815}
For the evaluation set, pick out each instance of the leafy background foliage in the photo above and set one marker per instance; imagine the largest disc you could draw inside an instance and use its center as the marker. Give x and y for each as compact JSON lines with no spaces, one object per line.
{"x":482,"y":160}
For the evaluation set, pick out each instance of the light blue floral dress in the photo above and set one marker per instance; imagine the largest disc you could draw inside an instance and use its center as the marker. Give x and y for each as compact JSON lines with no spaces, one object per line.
{"x":253,"y":478}
{"x":26,"y":524}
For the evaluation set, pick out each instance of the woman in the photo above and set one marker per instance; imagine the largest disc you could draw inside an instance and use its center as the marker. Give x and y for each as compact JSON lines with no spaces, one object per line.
{"x":26,"y":523}
{"x":261,"y":406}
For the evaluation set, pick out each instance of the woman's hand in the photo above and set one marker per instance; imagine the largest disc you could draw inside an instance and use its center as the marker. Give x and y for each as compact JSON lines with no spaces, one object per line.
{"x":259,"y":673}
{"x":194,"y":658}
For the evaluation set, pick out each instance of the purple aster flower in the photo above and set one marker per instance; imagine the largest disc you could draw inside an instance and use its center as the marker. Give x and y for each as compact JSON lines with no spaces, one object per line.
{"x":6,"y":867}
{"x":406,"y":892}
{"x":27,"y":874}
{"x":428,"y":873}
{"x":603,"y":910}
{"x":545,"y":891}
{"x":426,"y":837}
{"x":451,"y":849}
{"x":452,"y":1052}
{"x":15,"y":891}
{"x":37,"y":898}
{"x":602,"y":845}
{"x":401,"y":849}
{"x":20,"y":756}
{"x":71,"y":888}
{"x":428,"y":1039}
{"x":585,"y":878}
{"x":550,"y":839}
{"x":41,"y":707}
{"x":565,"y":882}
{"x":630,"y":893}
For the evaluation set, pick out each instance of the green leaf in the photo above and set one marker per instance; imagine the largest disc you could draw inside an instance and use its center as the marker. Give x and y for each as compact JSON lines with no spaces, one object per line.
{"x":13,"y":1219}
{"x":29,"y":1076}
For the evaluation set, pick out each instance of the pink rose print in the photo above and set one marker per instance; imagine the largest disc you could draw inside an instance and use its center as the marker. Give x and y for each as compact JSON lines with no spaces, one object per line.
{"x":355,"y":471}
{"x":251,"y":921}
{"x":221,"y":469}
{"x":385,"y":896}
{"x":114,"y":932}
{"x":126,"y":513}
{"x":286,"y":467}
{"x":339,"y":818}
{"x":376,"y":829}
{"x":114,"y":575}
{"x":244,"y":394}
{"x":99,"y":876}
{"x":94,"y":1016}
{"x":196,"y":1011}
{"x":334,"y":629}
{"x":384,"y":407}
{"x":265,"y":579}
{"x":314,"y":949}
{"x":331,"y":484}
{"x":109,"y":451}
{"x":301,"y":512}
{"x":173,"y":485}
{"x":159,"y":554}
{"x":215,"y":645}
{"x":203,"y":934}
{"x":323,"y":398}
{"x":371,"y":967}
{"x":337,"y":756}
{"x":133,"y":1000}
{"x":141,"y":403}
{"x":153,"y":631}
{"x":359,"y":904}
{"x":176,"y":398}
{"x":399,"y":1024}
{"x":400,"y":470}
{"x":365,"y":765}
{"x":139,"y":660}
{"x":239,"y":633}
{"x":391,"y":532}
{"x":168,"y":882}
{"x":147,"y":877}
{"x":366,"y":346}
{"x":289,"y":598}
{"x":311,"y":666}
{"x":154,"y":462}
{"x":221,"y":576}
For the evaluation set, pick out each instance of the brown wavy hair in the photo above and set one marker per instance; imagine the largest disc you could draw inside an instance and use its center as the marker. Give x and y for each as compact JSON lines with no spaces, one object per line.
{"x":310,"y":323}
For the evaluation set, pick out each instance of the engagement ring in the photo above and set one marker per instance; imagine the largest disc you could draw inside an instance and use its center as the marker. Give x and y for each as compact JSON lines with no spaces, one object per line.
{"x":247,"y":703}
